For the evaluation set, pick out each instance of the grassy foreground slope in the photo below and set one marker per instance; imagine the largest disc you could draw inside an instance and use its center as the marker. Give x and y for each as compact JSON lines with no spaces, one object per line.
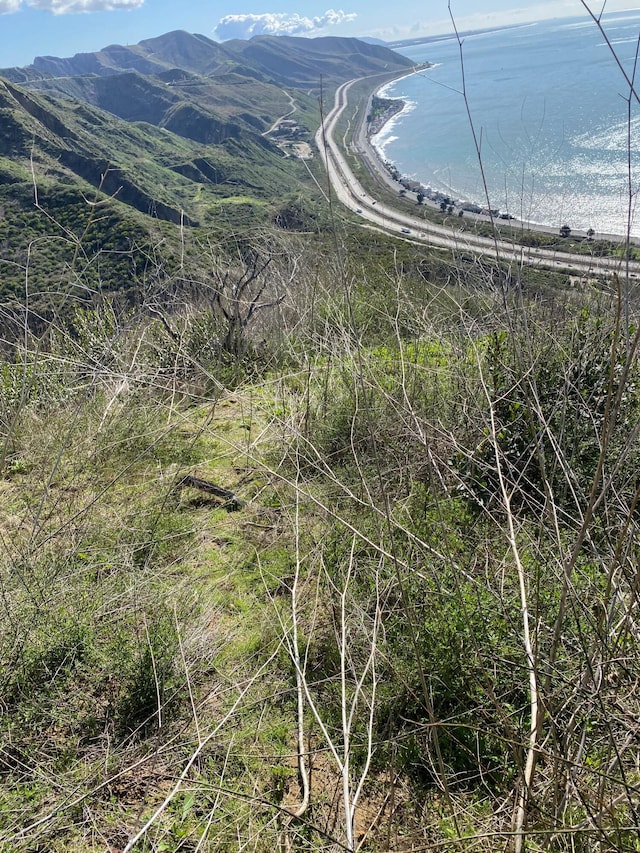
{"x":412,"y":624}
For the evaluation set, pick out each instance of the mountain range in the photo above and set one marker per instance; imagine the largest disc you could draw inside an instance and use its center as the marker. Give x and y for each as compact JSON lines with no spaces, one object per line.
{"x":178,"y":128}
{"x":283,"y":60}
{"x":203,"y":90}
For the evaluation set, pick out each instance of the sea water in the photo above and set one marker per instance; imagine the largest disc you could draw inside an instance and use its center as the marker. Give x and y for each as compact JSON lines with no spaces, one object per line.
{"x":556,"y":124}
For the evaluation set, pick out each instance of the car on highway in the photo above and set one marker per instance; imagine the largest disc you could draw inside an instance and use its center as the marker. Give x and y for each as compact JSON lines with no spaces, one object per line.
{"x":406,"y":231}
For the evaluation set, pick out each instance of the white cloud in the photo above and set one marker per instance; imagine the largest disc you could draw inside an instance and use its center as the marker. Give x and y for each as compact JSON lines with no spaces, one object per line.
{"x":66,"y":7}
{"x":276,"y":23}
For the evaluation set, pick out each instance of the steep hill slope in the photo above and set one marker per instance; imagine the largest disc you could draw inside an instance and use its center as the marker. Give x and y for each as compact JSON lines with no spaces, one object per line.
{"x":302,"y":62}
{"x":152,"y":56}
{"x":173,"y":129}
{"x":77,"y":182}
{"x":144,"y":166}
{"x":230,"y":102}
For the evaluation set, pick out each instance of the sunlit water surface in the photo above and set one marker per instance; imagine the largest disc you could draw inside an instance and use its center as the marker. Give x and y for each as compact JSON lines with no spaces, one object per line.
{"x":553,"y":117}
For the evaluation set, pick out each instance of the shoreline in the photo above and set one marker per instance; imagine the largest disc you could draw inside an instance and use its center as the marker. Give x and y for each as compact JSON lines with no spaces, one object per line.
{"x":390,"y":108}
{"x":389,"y":174}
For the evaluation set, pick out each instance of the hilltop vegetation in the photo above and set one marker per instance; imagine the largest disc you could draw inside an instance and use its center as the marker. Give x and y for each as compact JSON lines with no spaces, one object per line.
{"x":430,"y":506}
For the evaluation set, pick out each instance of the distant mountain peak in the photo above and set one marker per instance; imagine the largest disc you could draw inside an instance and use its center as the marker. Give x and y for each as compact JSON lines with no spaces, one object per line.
{"x":286,"y":60}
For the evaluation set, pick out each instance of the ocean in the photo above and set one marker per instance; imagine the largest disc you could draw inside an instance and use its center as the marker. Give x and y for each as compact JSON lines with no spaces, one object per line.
{"x":553,"y":116}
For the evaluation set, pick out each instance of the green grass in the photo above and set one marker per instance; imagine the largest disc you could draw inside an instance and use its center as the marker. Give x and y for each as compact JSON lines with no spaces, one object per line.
{"x":138,"y":619}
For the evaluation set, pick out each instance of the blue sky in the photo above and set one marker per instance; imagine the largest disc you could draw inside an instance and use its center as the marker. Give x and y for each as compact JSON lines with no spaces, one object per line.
{"x":29,"y":28}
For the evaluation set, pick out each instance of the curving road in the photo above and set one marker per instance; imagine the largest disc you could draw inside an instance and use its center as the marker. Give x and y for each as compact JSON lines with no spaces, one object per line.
{"x":350,"y":192}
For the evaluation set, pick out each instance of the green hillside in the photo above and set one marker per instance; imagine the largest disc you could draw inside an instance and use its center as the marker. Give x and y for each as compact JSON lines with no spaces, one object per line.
{"x":60,"y":158}
{"x":170,"y":132}
{"x":280,"y":540}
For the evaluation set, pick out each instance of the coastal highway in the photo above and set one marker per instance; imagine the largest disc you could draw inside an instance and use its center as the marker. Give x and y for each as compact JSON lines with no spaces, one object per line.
{"x":350,"y":192}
